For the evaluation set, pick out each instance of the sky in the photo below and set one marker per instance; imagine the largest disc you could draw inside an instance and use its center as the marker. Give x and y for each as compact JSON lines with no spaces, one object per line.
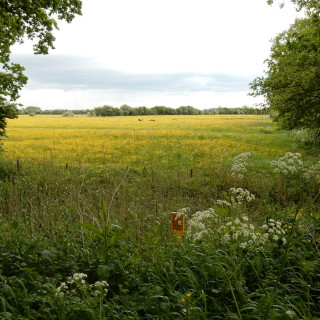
{"x":202,"y":53}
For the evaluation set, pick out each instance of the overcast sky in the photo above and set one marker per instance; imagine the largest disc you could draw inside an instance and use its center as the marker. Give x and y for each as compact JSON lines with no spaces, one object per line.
{"x":202,"y":53}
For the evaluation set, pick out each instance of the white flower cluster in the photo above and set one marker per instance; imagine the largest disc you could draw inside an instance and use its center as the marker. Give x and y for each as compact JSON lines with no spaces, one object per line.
{"x":184,"y":210}
{"x":288,"y":165}
{"x":60,"y":290}
{"x":313,"y":173}
{"x":274,"y":231}
{"x":236,"y":232}
{"x":241,"y":233}
{"x":202,"y":224}
{"x":77,"y":278}
{"x":100,"y":287}
{"x":181,"y":212}
{"x":240,"y":195}
{"x":77,"y":281}
{"x":223,"y":203}
{"x":239,"y":167}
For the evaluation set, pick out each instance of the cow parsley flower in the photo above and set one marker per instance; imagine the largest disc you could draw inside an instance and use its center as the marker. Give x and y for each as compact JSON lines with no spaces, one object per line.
{"x":288,"y":165}
{"x":240,"y":195}
{"x":239,"y":166}
{"x":273,"y":230}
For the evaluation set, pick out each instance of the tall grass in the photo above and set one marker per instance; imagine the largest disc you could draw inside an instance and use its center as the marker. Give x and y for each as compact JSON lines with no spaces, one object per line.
{"x":65,"y":230}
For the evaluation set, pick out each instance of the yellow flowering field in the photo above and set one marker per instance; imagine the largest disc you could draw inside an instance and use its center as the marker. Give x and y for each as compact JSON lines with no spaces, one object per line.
{"x":194,"y":141}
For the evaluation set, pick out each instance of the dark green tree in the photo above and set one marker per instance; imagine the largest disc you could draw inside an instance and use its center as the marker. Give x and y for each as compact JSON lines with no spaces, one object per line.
{"x":7,"y":111}
{"x":162,"y":110}
{"x":291,"y":85}
{"x":20,"y":20}
{"x":32,"y":109}
{"x":107,"y":111}
{"x":142,"y":111}
{"x":127,"y":110}
{"x":188,"y":110}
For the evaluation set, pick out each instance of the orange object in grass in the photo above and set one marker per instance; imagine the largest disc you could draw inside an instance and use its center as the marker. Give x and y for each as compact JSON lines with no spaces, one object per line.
{"x":177,"y":224}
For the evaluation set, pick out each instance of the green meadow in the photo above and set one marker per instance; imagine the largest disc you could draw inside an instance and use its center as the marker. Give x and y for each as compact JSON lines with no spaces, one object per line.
{"x":85,"y":207}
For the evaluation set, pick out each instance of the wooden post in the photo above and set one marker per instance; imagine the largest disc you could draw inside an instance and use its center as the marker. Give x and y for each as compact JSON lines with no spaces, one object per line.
{"x":66,"y":166}
{"x":191,"y":173}
{"x":177,"y":224}
{"x":18,"y":165}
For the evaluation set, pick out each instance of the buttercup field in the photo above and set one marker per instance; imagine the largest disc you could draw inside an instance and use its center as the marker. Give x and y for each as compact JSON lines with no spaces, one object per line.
{"x":86,"y":205}
{"x":143,"y":141}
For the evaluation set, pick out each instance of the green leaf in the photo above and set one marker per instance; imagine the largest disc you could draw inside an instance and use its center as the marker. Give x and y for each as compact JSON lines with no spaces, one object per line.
{"x":103,"y":272}
{"x":93,"y":229}
{"x":47,"y":255}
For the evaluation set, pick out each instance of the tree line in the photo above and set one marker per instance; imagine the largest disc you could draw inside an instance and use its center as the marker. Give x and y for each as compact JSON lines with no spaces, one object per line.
{"x":125,"y":110}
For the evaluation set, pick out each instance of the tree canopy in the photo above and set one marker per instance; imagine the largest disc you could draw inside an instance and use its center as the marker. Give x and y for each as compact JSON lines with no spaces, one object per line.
{"x":291,"y":84}
{"x":20,"y":20}
{"x":310,"y":6}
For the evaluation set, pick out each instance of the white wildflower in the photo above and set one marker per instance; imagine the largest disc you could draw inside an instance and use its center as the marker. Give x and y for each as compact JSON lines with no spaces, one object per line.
{"x":288,"y":165}
{"x":226,"y":238}
{"x":238,"y":169}
{"x":241,"y":195}
{"x":223,"y":203}
{"x":243,"y":245}
{"x":60,"y":290}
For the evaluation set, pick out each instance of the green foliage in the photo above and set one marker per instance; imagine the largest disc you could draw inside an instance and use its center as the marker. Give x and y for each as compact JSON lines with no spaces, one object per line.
{"x":67,"y":254}
{"x":291,"y":85}
{"x":26,"y":19}
{"x":187,"y":110}
{"x":107,"y":111}
{"x":310,"y":6}
{"x":126,"y":110}
{"x":30,"y":109}
{"x":34,"y":20}
{"x":7,"y":110}
{"x":161,"y":110}
{"x":68,"y":114}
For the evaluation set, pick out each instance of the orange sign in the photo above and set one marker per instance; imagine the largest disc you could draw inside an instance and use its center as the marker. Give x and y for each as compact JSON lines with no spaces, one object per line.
{"x":177,"y":224}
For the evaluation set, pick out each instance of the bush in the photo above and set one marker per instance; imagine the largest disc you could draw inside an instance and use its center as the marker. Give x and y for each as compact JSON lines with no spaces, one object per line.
{"x":68,"y":114}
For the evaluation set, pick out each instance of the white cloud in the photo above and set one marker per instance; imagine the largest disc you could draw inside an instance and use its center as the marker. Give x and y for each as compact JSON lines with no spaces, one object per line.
{"x":198,"y":38}
{"x":83,"y":99}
